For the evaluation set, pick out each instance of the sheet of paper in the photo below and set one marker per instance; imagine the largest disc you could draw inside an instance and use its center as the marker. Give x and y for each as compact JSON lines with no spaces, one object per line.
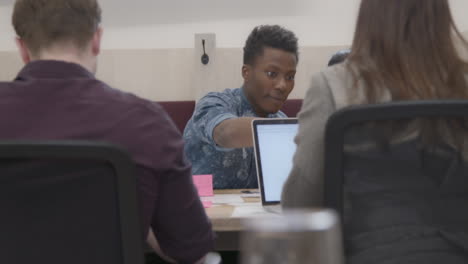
{"x":250,"y":194}
{"x":207,"y":204}
{"x":252,"y":211}
{"x":232,"y":199}
{"x":204,"y":184}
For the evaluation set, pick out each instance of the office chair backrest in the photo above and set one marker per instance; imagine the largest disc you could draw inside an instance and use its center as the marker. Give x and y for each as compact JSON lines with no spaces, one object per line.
{"x":68,"y":202}
{"x":396,"y":168}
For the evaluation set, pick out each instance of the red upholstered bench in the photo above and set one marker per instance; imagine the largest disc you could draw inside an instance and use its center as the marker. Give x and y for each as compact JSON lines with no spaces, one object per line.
{"x":179,"y":111}
{"x":291,"y":107}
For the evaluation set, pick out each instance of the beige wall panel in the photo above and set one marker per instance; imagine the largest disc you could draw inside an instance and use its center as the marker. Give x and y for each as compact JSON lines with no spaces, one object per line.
{"x":177,"y":74}
{"x":311,"y":60}
{"x":10,"y":64}
{"x":152,"y":74}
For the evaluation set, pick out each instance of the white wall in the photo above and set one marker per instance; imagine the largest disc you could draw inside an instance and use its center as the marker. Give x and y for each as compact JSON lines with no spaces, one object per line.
{"x":162,"y":24}
{"x":149,"y":24}
{"x":148,"y":45}
{"x":172,"y":25}
{"x":317,"y":23}
{"x":6,"y":30}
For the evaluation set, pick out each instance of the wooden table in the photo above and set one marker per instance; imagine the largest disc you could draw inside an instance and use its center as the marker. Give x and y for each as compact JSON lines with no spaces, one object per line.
{"x":229,"y":208}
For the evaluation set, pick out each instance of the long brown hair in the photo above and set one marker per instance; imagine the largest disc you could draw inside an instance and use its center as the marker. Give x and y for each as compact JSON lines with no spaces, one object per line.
{"x":406,"y":47}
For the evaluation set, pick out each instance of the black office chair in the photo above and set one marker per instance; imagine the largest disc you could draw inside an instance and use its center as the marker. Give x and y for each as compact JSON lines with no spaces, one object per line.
{"x":68,"y":202}
{"x":394,"y":178}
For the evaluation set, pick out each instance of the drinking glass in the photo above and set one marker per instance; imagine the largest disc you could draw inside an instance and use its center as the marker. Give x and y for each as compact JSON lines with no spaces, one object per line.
{"x":295,"y":237}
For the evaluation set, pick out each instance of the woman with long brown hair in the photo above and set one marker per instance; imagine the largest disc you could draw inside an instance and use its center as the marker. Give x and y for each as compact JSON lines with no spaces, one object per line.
{"x":402,"y":50}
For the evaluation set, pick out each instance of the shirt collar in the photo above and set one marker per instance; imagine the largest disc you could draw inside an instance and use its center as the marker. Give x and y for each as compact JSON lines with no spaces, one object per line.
{"x":50,"y":69}
{"x":248,"y":106}
{"x":245,"y":102}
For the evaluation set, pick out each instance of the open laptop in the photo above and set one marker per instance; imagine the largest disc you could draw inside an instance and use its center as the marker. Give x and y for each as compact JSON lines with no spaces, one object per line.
{"x":274,"y":148}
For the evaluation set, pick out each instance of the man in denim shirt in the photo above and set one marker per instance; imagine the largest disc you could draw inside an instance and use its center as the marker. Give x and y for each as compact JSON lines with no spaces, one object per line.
{"x":219,"y":135}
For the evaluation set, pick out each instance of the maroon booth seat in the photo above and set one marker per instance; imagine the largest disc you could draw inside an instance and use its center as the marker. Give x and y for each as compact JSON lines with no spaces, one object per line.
{"x":291,"y":107}
{"x":182,"y":111}
{"x":179,"y":111}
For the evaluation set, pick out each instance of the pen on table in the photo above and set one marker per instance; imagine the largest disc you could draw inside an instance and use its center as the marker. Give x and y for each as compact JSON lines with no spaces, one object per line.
{"x":247,"y":191}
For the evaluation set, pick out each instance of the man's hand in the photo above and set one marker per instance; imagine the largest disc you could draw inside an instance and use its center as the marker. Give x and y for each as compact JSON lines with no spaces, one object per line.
{"x":153,"y":242}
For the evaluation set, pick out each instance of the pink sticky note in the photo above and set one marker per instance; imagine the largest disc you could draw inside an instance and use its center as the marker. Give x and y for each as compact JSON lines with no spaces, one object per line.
{"x":207,"y":204}
{"x":204,"y":184}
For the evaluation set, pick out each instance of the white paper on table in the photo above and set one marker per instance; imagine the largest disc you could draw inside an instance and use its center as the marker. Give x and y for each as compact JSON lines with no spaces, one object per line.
{"x":224,"y":199}
{"x":251,"y":211}
{"x":255,"y":195}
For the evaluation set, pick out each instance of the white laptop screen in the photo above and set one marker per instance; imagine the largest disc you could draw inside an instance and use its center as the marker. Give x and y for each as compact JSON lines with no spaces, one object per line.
{"x":274,"y":149}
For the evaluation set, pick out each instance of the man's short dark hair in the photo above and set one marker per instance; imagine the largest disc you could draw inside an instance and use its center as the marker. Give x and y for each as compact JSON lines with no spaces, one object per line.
{"x":272,"y":36}
{"x":43,"y":23}
{"x":339,"y":57}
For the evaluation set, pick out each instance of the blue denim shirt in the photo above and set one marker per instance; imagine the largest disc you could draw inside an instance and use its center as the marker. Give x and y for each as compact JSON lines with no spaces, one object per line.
{"x":231,"y":168}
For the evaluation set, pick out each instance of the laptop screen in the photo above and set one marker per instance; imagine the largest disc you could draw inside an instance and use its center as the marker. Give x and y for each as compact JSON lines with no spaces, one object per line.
{"x":274,"y":150}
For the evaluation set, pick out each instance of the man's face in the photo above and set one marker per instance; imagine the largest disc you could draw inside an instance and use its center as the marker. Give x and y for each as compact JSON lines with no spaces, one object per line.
{"x":268,"y":82}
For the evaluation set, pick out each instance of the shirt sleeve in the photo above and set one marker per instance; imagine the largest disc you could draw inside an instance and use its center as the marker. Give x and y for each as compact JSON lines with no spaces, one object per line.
{"x":210,"y":111}
{"x":281,"y":114}
{"x":172,"y":205}
{"x":179,"y":222}
{"x":304,"y":186}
